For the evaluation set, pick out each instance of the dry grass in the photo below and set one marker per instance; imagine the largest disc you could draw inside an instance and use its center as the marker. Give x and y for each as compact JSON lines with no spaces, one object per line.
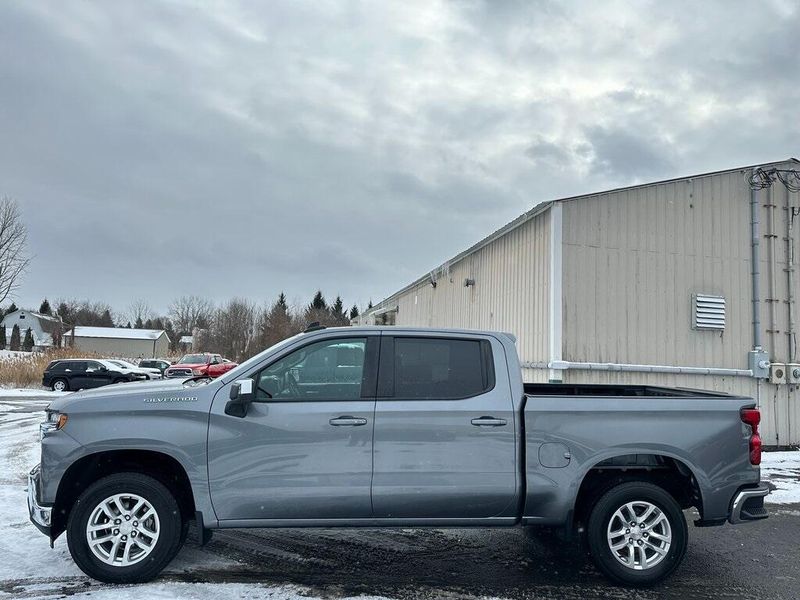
{"x":25,"y":370}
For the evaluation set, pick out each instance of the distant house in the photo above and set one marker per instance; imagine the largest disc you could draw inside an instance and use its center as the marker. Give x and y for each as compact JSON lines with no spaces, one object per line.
{"x":119,"y":341}
{"x":45,"y":329}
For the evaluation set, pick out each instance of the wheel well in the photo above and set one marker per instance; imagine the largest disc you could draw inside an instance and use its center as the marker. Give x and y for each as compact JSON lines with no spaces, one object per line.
{"x":666,"y":472}
{"x":85,"y":471}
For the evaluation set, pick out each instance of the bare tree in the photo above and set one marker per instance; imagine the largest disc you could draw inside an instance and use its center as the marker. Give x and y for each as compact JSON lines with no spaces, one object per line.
{"x":189,"y":313}
{"x":232,"y":329}
{"x":13,"y":253}
{"x":139,"y":311}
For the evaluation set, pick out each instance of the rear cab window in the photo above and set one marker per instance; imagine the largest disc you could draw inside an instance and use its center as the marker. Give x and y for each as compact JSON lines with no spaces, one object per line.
{"x":438,"y":368}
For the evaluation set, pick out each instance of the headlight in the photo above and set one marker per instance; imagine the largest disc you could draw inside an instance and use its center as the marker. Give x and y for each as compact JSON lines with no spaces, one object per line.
{"x":198,"y":372}
{"x":54,"y":422}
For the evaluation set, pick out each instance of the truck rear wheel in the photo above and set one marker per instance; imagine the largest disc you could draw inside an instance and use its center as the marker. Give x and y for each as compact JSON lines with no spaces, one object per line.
{"x":637,"y":534}
{"x":125,"y":528}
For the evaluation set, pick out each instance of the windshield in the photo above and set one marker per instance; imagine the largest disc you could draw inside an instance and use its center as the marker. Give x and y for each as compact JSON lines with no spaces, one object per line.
{"x":124,"y":364}
{"x":251,"y":362}
{"x":193,"y":359}
{"x":118,"y":363}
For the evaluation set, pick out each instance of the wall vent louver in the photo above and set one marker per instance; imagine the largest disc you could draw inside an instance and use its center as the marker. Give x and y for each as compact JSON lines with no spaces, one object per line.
{"x":708,"y":312}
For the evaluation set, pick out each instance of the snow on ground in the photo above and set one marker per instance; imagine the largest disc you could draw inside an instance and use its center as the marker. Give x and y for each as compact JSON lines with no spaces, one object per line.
{"x":29,"y":393}
{"x":30,"y":569}
{"x":782,"y":469}
{"x":13,"y":354}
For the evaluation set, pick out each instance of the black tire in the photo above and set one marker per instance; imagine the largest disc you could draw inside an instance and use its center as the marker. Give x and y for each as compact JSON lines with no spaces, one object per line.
{"x":170,"y":536}
{"x":601,"y":518}
{"x":62,"y":380}
{"x":120,"y":380}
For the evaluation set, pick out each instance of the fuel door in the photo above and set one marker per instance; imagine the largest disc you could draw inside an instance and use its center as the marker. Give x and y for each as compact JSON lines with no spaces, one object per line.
{"x":554,"y":455}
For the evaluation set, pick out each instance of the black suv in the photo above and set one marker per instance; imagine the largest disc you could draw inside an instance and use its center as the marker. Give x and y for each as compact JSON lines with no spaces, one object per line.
{"x":155,"y":363}
{"x":78,"y":374}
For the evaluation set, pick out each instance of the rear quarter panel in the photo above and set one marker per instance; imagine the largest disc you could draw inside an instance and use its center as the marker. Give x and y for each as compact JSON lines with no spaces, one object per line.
{"x":705,"y":434}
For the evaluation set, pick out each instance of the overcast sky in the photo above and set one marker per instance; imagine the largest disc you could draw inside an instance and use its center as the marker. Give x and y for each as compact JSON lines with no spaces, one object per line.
{"x":224,"y":149}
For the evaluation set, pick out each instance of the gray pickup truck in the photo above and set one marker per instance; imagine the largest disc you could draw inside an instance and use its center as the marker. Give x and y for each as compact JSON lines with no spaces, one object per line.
{"x":387,"y":427}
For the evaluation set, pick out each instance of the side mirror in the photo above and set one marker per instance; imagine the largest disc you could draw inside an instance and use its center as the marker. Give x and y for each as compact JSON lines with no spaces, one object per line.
{"x":240,"y":398}
{"x":103,"y":369}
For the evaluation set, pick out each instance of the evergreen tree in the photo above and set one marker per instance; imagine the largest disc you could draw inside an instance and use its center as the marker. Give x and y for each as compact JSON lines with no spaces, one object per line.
{"x":148,"y":324}
{"x":129,"y":326}
{"x":44,"y":307}
{"x":337,"y":312}
{"x":353,"y":312}
{"x":27,"y":344}
{"x":318,"y":302}
{"x":369,"y":306}
{"x":282,"y":302}
{"x":139,"y":324}
{"x":2,"y":338}
{"x":14,"y":345}
{"x":12,"y":308}
{"x":106,"y":320}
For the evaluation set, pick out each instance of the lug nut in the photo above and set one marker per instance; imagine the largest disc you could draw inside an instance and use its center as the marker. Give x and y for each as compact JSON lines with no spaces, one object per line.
{"x":645,"y":535}
{"x":136,"y":523}
{"x":127,"y":517}
{"x":627,"y":531}
{"x":133,"y":534}
{"x":639,"y":542}
{"x":117,"y":521}
{"x":116,"y":532}
{"x":641,"y":525}
{"x":125,"y":537}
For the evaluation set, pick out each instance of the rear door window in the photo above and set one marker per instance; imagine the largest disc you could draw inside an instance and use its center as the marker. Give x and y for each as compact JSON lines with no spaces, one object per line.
{"x":441,"y":368}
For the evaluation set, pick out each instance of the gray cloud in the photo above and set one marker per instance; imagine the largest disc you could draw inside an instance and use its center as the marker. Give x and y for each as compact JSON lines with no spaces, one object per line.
{"x":235,"y":149}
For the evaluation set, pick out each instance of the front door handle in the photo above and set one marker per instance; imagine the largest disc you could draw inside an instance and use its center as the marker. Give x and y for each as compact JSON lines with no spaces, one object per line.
{"x":488,"y":422}
{"x":348,"y":421}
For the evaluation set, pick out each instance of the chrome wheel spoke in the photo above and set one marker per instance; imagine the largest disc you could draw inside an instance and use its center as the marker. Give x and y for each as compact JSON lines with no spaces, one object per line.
{"x":639,"y":535}
{"x":117,"y":535}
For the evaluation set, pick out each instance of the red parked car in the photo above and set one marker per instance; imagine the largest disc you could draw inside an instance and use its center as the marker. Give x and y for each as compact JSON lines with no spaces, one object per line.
{"x":195,"y":365}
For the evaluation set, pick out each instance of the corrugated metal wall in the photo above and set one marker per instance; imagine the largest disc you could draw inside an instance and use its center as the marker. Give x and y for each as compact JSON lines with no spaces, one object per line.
{"x":511,"y":290}
{"x":632,"y":260}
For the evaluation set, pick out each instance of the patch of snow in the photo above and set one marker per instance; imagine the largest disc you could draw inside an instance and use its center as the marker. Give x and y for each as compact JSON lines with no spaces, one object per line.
{"x":13,"y":354}
{"x":30,"y":393}
{"x":782,"y":469}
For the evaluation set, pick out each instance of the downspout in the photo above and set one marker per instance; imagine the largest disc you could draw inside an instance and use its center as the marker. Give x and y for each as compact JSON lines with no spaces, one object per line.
{"x":755,"y":258}
{"x":556,"y":320}
{"x":792,"y":346}
{"x":773,"y":294}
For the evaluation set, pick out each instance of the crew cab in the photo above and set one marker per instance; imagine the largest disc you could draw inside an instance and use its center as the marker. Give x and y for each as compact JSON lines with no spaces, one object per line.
{"x":392,"y":427}
{"x":200,"y":365}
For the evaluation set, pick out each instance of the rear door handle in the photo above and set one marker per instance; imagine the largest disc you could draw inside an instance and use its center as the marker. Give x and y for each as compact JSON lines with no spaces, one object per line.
{"x":348,"y":421}
{"x":488,"y":422}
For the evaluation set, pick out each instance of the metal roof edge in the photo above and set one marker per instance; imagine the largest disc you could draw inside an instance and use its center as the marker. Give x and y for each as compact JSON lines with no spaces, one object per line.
{"x":537,"y":210}
{"x":540,"y":208}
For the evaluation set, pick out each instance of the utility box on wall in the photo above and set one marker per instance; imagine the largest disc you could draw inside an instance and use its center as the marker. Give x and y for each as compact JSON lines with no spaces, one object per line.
{"x":777,"y":373}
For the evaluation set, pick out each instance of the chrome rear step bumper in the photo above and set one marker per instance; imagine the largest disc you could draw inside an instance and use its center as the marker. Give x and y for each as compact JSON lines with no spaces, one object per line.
{"x":748,"y":505}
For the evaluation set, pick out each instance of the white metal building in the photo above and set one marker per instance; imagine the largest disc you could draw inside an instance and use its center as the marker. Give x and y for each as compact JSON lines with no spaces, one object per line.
{"x":650,"y":284}
{"x":119,"y":341}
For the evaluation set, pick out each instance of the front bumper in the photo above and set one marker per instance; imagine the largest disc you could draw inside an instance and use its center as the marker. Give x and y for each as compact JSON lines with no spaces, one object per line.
{"x":748,"y":505}
{"x":39,"y":515}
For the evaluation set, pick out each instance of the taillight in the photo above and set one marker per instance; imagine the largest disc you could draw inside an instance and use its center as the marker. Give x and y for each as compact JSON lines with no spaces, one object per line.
{"x":752,"y":417}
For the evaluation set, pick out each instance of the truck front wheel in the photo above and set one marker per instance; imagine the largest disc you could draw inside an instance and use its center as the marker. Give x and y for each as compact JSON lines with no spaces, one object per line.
{"x":125,"y":528}
{"x":637,"y":534}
